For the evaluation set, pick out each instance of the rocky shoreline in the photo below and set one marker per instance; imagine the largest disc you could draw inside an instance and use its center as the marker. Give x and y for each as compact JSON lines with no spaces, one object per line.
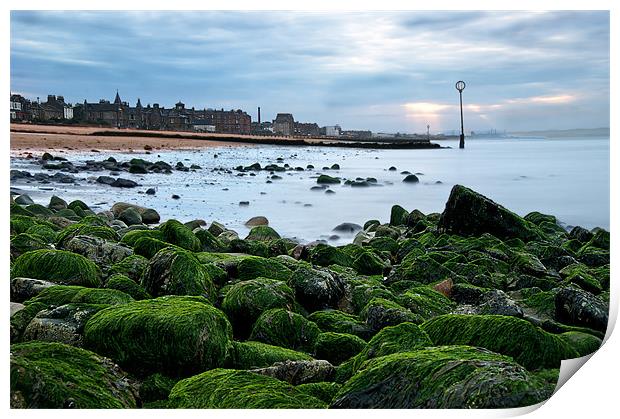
{"x":471,"y":308}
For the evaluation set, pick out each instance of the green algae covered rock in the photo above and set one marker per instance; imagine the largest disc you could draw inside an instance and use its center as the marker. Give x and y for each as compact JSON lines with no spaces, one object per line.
{"x":248,"y":355}
{"x":527,"y":344}
{"x":583,"y":343}
{"x":426,"y":302}
{"x":245,"y":301}
{"x":177,"y":272}
{"x":57,"y":266}
{"x":379,"y":313}
{"x":233,"y":389}
{"x":210,"y":243}
{"x":44,"y":232}
{"x":127,"y":285}
{"x":424,"y":269}
{"x":58,"y":295}
{"x":178,"y":234}
{"x":171,"y":335}
{"x":325,"y":255}
{"x":21,"y":319}
{"x":132,"y":266}
{"x":337,"y":347}
{"x":56,"y":376}
{"x":156,"y":387}
{"x":469,"y":213}
{"x":362,"y":291}
{"x":22,"y":243}
{"x":398,"y":216}
{"x":131,"y":237}
{"x":316,"y":289}
{"x":287,"y":329}
{"x":405,"y":337}
{"x":21,"y":223}
{"x":442,"y":377}
{"x":147,"y":246}
{"x":79,"y":229}
{"x":323,"y":391}
{"x":252,"y":267}
{"x":262,"y":233}
{"x":340,"y":322}
{"x":368,"y":263}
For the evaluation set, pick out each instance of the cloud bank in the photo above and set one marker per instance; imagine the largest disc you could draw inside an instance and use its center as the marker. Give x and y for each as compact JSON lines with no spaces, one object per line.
{"x":384,"y":71}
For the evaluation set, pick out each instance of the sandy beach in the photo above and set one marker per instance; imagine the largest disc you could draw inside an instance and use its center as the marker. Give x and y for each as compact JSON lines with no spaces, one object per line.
{"x":33,"y":138}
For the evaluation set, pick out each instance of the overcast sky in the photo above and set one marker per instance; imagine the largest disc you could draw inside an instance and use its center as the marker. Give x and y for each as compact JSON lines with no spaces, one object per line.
{"x":384,"y":71}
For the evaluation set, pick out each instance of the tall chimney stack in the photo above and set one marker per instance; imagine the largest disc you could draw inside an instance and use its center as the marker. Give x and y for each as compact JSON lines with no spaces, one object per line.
{"x":259,"y":115}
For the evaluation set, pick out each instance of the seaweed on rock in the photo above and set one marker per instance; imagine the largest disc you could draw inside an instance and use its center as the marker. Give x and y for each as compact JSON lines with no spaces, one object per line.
{"x":173,"y":335}
{"x":57,"y":266}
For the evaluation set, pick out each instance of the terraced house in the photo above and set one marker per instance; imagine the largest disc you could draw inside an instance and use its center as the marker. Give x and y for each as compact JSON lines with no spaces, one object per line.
{"x":121,"y":115}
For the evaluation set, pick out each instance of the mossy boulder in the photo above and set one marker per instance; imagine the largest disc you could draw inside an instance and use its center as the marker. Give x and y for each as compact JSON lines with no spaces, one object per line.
{"x":177,"y":272}
{"x":316,"y":289}
{"x":58,"y":295}
{"x":127,"y":285}
{"x":132,"y":266}
{"x":299,"y":372}
{"x":131,"y":237}
{"x":578,"y":307}
{"x":20,"y":320}
{"x":156,"y":387}
{"x":56,"y":376}
{"x":210,"y":243}
{"x":148,"y":247}
{"x":340,"y":322}
{"x":286,"y":329}
{"x":583,"y":343}
{"x":380,"y":313}
{"x":442,"y":377}
{"x":527,"y":344}
{"x":233,"y":389}
{"x":384,"y":244}
{"x":362,"y":291}
{"x":245,"y":301}
{"x":172,"y":335}
{"x":405,"y":337}
{"x":57,"y":266}
{"x":368,"y":263}
{"x":178,"y":234}
{"x":22,"y":243}
{"x":255,"y":266}
{"x":325,"y":255}
{"x":250,"y":354}
{"x":421,"y":268}
{"x":337,"y":347}
{"x":40,"y":211}
{"x":398,"y":216}
{"x":426,"y":302}
{"x":324,"y":391}
{"x":103,"y":232}
{"x":469,"y":213}
{"x":262,"y":233}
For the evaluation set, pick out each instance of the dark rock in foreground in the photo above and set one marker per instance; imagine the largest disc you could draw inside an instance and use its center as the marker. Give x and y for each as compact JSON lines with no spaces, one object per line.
{"x":469,"y":213}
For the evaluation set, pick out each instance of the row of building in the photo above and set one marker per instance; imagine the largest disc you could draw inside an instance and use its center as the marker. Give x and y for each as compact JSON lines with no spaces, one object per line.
{"x":121,"y":114}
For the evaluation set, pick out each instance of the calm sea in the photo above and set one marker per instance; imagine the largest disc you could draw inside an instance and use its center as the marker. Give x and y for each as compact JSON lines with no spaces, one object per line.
{"x":568,"y":178}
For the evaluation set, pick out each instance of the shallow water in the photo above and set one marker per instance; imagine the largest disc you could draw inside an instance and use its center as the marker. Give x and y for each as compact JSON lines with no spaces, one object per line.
{"x":568,"y":178}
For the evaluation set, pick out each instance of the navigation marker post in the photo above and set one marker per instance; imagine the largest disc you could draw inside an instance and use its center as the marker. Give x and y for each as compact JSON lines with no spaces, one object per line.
{"x":460,"y":86}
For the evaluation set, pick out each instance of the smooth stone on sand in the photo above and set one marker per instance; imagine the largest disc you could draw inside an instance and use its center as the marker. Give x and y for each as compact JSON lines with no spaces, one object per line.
{"x":124,"y":183}
{"x":150,"y":191}
{"x":257,"y":221}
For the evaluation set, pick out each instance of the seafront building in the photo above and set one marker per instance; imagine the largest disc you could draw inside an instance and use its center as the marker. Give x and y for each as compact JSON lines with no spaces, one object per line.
{"x":121,"y":114}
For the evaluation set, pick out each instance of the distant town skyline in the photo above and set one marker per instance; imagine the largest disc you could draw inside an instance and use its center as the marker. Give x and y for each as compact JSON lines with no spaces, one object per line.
{"x":381,"y":71}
